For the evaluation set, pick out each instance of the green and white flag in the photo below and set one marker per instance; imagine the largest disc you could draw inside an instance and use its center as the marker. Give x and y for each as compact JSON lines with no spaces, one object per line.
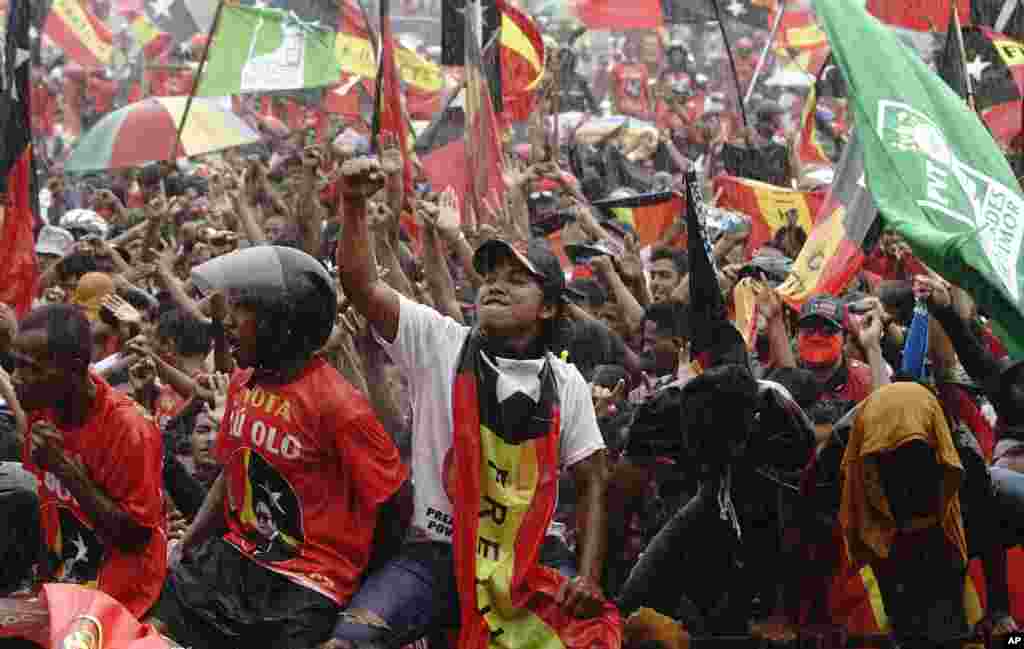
{"x":257,"y":50}
{"x":934,"y":171}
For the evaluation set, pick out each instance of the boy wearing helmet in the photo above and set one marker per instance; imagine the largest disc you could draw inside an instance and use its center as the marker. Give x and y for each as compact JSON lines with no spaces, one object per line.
{"x":286,"y":530}
{"x":496,"y":416}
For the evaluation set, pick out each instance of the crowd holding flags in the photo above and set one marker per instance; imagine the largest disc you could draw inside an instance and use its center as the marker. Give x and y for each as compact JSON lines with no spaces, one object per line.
{"x":935,"y":173}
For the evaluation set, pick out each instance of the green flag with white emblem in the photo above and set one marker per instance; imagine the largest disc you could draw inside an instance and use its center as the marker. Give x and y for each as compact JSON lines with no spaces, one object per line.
{"x":257,"y":50}
{"x":934,"y":171}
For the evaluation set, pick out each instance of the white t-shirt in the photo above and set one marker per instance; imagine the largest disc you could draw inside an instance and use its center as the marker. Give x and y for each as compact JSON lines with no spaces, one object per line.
{"x":427,"y":350}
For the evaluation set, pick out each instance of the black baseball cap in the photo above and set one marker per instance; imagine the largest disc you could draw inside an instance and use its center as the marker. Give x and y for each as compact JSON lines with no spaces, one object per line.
{"x":825,"y":307}
{"x":535,"y":255}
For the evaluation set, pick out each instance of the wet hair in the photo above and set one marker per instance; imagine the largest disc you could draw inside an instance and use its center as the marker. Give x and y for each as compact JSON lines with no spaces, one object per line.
{"x":292,"y":329}
{"x":800,"y":383}
{"x":68,"y":333}
{"x":191,"y":337}
{"x":77,"y":264}
{"x":718,"y":411}
{"x":829,"y":411}
{"x":609,"y":375}
{"x":594,"y":292}
{"x":670,"y":318}
{"x":678,"y":258}
{"x":149,"y":177}
{"x":898,"y":297}
{"x":141,"y":300}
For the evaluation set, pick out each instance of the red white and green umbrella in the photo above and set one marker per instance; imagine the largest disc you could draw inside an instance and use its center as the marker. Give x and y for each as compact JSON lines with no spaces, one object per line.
{"x":145,"y":132}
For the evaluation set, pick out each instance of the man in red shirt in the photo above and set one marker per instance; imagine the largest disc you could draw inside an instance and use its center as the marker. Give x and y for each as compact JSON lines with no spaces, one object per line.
{"x":286,"y":531}
{"x":98,"y":462}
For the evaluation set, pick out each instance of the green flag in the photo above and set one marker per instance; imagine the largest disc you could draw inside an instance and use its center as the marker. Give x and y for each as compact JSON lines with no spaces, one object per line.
{"x":934,"y":171}
{"x":256,"y":50}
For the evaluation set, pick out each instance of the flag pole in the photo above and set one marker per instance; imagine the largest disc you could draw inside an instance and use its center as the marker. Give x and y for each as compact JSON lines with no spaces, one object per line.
{"x":198,"y":79}
{"x":732,"y":62}
{"x":968,"y":86}
{"x":764,"y":51}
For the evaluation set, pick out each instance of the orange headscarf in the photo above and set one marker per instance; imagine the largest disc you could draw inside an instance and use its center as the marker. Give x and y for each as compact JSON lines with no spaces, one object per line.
{"x":892,"y":416}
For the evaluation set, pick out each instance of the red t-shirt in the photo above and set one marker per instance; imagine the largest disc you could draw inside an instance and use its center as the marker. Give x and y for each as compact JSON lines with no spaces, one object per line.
{"x":629,"y":83}
{"x":851,"y":383}
{"x":123,"y":454}
{"x":306,"y":466}
{"x":168,"y":404}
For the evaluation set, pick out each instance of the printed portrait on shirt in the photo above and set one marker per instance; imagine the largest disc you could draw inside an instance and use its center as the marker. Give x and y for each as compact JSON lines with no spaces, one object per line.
{"x":271,"y":511}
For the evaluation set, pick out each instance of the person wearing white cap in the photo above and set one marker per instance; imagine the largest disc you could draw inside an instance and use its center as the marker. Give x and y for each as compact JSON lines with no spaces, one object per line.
{"x":82,"y":222}
{"x":52,"y":244}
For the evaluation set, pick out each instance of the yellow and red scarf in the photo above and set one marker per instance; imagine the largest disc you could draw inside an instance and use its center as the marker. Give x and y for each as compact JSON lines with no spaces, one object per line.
{"x":506,"y":481}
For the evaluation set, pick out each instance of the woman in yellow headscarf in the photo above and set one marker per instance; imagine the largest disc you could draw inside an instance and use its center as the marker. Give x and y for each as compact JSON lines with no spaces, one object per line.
{"x":900,"y":510}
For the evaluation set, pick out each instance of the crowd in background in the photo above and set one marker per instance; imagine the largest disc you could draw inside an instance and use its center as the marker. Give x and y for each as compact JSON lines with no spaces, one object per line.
{"x":744,"y":476}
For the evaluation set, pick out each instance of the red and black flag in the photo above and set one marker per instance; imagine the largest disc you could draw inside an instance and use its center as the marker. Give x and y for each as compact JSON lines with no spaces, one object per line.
{"x":484,"y":158}
{"x":995,"y":65}
{"x":650,"y":215}
{"x":17,"y":186}
{"x":390,"y":115}
{"x":441,"y":148}
{"x":845,"y":230}
{"x":454,"y":33}
{"x":756,"y":13}
{"x":1002,"y":16}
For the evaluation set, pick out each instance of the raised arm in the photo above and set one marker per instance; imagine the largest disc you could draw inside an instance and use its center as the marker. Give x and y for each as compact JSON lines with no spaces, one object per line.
{"x":357,"y":269}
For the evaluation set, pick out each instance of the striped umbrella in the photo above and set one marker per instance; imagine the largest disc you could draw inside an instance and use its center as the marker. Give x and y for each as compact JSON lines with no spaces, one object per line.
{"x":145,"y":131}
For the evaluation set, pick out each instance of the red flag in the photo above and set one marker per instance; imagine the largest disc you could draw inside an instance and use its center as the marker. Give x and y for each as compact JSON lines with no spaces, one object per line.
{"x":620,"y":14}
{"x":650,"y":215}
{"x":390,"y":115}
{"x":483,"y":146}
{"x":522,"y":62}
{"x":442,"y":151}
{"x":17,"y":245}
{"x":919,"y":15}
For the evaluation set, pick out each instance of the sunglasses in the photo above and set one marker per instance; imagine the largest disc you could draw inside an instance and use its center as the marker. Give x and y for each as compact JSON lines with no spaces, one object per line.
{"x":819,"y":326}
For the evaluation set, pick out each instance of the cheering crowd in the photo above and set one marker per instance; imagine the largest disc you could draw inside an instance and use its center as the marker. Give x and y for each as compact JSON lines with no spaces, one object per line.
{"x":285,"y":396}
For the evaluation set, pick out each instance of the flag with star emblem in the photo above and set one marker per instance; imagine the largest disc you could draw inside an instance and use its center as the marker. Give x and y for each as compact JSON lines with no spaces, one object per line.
{"x":756,"y":13}
{"x":182,"y":18}
{"x":934,"y":171}
{"x":257,"y":50}
{"x":995,"y":65}
{"x":17,"y":245}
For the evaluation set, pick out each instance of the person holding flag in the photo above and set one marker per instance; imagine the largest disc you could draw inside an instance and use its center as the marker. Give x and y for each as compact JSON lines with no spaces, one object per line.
{"x":496,"y":416}
{"x":940,"y":181}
